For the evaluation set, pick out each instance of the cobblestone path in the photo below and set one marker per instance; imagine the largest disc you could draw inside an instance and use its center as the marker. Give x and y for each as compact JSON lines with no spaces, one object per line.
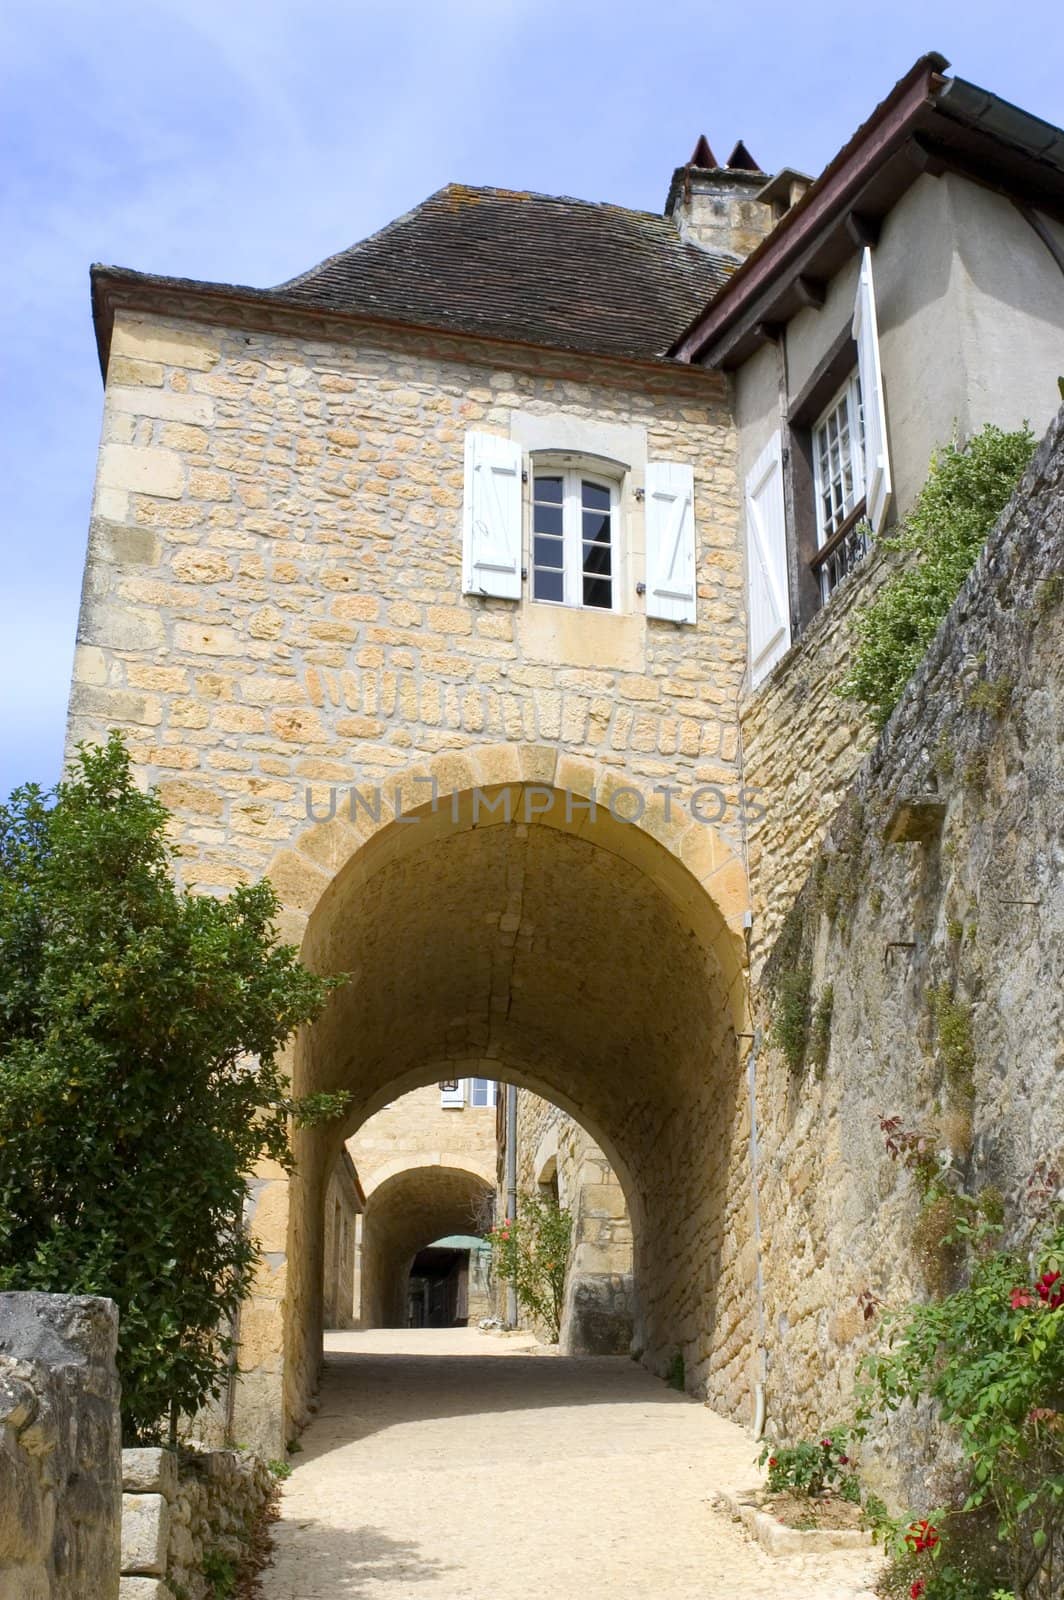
{"x":453,"y":1465}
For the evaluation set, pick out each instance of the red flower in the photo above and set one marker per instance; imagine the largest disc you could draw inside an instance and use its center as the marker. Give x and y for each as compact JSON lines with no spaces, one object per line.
{"x":1019,"y":1298}
{"x":1051,"y":1296}
{"x":825,"y":1444}
{"x":921,"y":1536}
{"x":844,"y":1461}
{"x":773,"y":1461}
{"x":918,"y":1589}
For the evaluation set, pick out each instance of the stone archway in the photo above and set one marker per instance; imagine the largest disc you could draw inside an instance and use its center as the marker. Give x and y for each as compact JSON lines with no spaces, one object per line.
{"x":595,"y":960}
{"x":404,"y":1213}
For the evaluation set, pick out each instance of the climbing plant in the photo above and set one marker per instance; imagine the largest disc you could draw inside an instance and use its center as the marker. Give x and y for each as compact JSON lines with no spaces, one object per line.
{"x":140,"y":1029}
{"x":966,"y":491}
{"x":989,"y":1357}
{"x":531,"y":1251}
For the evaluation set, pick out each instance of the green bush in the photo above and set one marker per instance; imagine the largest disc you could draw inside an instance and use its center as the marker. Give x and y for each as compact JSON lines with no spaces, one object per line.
{"x":811,"y":1469}
{"x":139,"y":1079}
{"x":965,"y":493}
{"x":991,"y":1358}
{"x":531,"y":1251}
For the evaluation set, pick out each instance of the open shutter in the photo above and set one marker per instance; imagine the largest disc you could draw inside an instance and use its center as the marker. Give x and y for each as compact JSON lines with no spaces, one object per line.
{"x":866,"y":337}
{"x":491,"y":517}
{"x":452,"y":1093}
{"x":766,"y":561}
{"x":670,"y":529}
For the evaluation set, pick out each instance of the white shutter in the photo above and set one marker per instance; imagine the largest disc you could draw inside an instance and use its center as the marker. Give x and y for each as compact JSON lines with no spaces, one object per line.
{"x":669,"y":499}
{"x":453,"y":1093}
{"x":866,"y":337}
{"x":766,"y":561}
{"x":491,"y":517}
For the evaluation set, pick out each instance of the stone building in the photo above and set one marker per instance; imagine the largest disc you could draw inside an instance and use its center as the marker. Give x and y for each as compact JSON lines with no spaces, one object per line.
{"x":427,"y":1163}
{"x":468,"y":585}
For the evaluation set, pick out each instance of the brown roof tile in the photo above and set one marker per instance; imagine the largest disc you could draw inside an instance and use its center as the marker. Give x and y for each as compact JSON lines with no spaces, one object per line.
{"x":554,"y":271}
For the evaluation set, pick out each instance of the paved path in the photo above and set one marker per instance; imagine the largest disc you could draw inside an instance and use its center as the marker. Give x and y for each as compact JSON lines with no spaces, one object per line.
{"x":454,"y":1465}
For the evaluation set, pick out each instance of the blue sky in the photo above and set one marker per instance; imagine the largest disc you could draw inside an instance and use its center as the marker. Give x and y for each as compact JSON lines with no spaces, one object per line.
{"x":244,"y":142}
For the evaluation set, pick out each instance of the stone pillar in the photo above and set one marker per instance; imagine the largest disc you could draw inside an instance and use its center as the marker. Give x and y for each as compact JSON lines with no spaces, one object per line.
{"x":60,"y":1448}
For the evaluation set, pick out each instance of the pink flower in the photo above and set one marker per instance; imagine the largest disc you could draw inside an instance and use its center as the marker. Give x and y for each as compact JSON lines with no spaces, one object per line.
{"x":1019,"y":1298}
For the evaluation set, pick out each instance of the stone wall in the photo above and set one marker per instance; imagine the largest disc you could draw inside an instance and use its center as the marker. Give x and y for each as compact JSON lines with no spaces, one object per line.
{"x":801,"y":745}
{"x":940,"y":877}
{"x":343,"y":1205}
{"x":183,"y":1516}
{"x":273,"y":600}
{"x":60,"y":1475}
{"x":599,"y":1312}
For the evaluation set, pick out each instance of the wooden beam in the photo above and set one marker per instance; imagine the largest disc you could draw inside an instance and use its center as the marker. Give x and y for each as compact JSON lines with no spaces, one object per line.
{"x":924,"y":157}
{"x":863,"y":229}
{"x":810,"y":291}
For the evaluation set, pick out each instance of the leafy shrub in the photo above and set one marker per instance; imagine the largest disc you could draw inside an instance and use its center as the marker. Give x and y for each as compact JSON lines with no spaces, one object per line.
{"x":676,"y":1375}
{"x":991,"y":1358}
{"x":810,"y":1469}
{"x":139,"y":1079}
{"x":790,"y":1015}
{"x":531,"y":1251}
{"x":965,"y":493}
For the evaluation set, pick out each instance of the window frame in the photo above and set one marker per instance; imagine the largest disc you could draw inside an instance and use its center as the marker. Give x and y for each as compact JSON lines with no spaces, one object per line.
{"x":848,"y":393}
{"x":574,"y":471}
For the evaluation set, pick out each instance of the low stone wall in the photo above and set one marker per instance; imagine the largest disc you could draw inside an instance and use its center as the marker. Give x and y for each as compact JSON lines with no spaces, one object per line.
{"x":182,"y":1513}
{"x":60,"y":1478}
{"x":938,"y":882}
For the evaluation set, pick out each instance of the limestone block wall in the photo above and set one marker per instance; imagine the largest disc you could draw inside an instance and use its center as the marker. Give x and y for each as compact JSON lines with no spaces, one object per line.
{"x":974,"y":910}
{"x":598,"y":1316}
{"x":60,"y":1456}
{"x":801,"y":746}
{"x":179,"y":1510}
{"x":343,"y":1205}
{"x":416,"y":1126}
{"x":272,"y":596}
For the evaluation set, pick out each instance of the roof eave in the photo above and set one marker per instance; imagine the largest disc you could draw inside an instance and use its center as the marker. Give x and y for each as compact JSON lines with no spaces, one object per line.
{"x":836,"y":188}
{"x":123,"y":288}
{"x":928,"y":124}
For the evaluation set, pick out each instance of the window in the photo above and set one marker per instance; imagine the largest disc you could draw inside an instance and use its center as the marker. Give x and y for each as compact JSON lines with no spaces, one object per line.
{"x":458,"y":1092}
{"x":574,"y":518}
{"x":839,"y":486}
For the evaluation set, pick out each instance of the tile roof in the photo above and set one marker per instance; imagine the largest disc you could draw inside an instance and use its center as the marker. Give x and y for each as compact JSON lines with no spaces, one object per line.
{"x":544,"y":270}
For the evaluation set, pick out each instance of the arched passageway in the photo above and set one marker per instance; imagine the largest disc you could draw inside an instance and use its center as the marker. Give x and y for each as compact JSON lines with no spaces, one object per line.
{"x":404,"y":1215}
{"x":587,"y":958}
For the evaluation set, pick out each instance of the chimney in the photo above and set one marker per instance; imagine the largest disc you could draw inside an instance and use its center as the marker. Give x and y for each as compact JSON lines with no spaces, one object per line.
{"x":718,"y":207}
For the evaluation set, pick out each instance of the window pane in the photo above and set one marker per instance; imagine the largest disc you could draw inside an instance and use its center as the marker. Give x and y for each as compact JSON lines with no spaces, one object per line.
{"x":598,"y":592}
{"x":479,"y":1092}
{"x":597,"y":526}
{"x":547,"y":519}
{"x":546,"y":552}
{"x":547,"y":585}
{"x":548,"y":489}
{"x":597,"y":559}
{"x":595,"y":497}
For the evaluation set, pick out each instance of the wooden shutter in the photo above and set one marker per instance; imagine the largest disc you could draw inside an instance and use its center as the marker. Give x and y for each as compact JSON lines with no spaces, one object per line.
{"x":453,"y":1093}
{"x":670,"y":535}
{"x":766,"y":561}
{"x":866,"y":337}
{"x":491,"y":517}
